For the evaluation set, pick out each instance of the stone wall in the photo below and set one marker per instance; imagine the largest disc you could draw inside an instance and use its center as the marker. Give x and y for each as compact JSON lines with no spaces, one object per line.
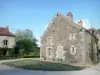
{"x":91,"y":49}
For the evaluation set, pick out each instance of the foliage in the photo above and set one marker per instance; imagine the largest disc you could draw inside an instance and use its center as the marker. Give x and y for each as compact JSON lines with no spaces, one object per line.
{"x":24,"y":34}
{"x":35,"y":53}
{"x":25,"y":46}
{"x":26,"y":43}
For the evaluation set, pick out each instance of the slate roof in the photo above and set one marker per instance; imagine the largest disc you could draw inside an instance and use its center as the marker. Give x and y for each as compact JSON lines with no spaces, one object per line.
{"x":5,"y":32}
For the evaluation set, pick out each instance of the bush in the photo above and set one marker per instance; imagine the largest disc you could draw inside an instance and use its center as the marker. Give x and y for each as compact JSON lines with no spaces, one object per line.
{"x":4,"y":57}
{"x":34,"y":54}
{"x":31,"y":56}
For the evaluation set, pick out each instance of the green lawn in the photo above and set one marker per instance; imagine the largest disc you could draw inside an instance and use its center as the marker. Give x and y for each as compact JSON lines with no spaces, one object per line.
{"x":42,"y":65}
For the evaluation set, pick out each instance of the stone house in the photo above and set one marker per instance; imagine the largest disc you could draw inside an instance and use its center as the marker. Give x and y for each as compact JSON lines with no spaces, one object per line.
{"x":97,"y":34}
{"x":7,"y":40}
{"x":67,"y":41}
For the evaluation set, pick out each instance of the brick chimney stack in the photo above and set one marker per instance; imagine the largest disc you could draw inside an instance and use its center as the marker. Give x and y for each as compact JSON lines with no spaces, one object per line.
{"x":8,"y":27}
{"x":80,"y":23}
{"x":70,"y":16}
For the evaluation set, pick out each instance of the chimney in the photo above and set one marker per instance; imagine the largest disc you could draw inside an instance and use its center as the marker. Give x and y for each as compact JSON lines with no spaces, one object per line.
{"x":80,"y":23}
{"x":70,"y":16}
{"x":8,"y":27}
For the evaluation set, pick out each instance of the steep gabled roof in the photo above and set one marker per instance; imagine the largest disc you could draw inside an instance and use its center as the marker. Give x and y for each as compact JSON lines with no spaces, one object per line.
{"x":50,"y":24}
{"x":66,"y":18}
{"x":91,"y":34}
{"x":5,"y":32}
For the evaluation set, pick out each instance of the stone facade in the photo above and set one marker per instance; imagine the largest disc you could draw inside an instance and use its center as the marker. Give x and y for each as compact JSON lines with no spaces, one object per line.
{"x":10,"y":42}
{"x":66,"y":41}
{"x":7,"y":41}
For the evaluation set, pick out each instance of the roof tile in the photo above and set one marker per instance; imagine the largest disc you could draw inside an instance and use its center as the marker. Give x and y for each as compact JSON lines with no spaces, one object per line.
{"x":5,"y":32}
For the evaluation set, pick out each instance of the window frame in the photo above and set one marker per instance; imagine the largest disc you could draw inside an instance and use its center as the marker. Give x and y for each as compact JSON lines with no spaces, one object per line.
{"x":60,"y":53}
{"x":72,"y":50}
{"x":5,"y":42}
{"x":72,"y":36}
{"x":47,"y":52}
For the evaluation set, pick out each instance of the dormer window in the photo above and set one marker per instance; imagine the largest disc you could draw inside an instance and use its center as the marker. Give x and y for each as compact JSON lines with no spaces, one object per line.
{"x":5,"y":42}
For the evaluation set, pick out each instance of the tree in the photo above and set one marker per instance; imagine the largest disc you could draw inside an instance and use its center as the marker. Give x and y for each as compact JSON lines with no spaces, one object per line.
{"x":25,"y":41}
{"x":24,"y":34}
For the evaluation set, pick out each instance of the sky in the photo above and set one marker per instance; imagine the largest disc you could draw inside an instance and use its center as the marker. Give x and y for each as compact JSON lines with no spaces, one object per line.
{"x":37,"y":14}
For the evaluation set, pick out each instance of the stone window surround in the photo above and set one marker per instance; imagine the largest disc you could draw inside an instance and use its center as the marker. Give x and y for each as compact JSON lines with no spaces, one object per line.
{"x":72,"y":36}
{"x":72,"y":50}
{"x":5,"y":42}
{"x":60,"y":52}
{"x":48,"y":56}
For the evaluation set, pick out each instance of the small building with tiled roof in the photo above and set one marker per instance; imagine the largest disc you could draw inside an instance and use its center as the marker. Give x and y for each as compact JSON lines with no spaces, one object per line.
{"x":7,"y":40}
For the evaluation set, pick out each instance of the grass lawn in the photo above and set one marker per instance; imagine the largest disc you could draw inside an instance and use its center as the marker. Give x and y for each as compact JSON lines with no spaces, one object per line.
{"x":42,"y":65}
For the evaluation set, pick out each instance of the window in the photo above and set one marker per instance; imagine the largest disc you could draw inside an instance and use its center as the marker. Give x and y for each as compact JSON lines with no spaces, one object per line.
{"x":49,"y":52}
{"x":49,"y":40}
{"x":60,"y":52}
{"x":73,"y":50}
{"x":5,"y":42}
{"x":72,"y":36}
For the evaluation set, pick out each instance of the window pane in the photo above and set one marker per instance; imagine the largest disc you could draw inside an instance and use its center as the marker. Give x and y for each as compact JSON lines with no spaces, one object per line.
{"x":5,"y":42}
{"x":49,"y":51}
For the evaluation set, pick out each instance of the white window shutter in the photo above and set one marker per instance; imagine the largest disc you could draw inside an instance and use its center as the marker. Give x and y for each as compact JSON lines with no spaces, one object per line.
{"x":71,"y":50}
{"x":59,"y":52}
{"x":70,"y":37}
{"x":74,"y":50}
{"x":74,"y":36}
